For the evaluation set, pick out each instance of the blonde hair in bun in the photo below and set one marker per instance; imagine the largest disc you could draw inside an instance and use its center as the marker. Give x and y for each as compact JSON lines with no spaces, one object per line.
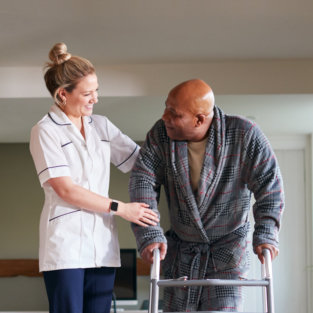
{"x":58,"y":54}
{"x":65,"y":71}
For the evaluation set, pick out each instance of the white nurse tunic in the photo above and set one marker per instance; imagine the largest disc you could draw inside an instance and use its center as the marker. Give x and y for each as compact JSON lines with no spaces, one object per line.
{"x":71,"y":237}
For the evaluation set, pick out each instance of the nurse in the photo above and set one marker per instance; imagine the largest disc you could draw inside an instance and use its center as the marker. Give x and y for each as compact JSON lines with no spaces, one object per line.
{"x":72,"y":150}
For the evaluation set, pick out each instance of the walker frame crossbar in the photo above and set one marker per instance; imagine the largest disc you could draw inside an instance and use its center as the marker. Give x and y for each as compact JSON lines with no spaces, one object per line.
{"x":266,"y":282}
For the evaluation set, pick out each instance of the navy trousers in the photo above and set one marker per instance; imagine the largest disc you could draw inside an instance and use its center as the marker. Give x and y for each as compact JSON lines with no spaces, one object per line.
{"x":80,"y":290}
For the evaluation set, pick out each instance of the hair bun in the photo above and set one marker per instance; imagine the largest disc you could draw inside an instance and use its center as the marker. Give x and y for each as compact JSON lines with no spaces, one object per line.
{"x":58,"y":54}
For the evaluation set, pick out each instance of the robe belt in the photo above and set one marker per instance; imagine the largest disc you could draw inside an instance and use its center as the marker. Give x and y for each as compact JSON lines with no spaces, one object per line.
{"x":201,"y":254}
{"x":199,"y":251}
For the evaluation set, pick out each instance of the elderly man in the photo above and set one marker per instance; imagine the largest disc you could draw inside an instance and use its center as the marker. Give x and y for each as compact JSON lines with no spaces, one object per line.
{"x":209,"y":163}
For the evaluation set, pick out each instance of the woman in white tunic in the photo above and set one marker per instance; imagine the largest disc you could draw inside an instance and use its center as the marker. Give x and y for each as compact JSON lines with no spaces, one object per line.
{"x":72,"y":150}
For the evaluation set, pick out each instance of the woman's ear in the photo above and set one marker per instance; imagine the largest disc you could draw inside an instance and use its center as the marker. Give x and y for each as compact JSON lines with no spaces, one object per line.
{"x":62,"y":94}
{"x":60,"y":97}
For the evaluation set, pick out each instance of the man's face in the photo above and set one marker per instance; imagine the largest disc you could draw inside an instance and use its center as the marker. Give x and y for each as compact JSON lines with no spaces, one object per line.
{"x":178,"y":120}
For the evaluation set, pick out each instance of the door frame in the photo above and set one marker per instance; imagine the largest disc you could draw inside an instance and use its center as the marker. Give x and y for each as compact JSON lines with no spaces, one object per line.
{"x":302,"y":142}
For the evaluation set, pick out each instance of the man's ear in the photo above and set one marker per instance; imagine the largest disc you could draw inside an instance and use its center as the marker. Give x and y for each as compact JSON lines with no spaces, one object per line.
{"x":200,"y":119}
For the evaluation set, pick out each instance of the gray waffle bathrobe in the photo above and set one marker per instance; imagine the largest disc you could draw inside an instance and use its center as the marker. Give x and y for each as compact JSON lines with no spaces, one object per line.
{"x":208,"y":234}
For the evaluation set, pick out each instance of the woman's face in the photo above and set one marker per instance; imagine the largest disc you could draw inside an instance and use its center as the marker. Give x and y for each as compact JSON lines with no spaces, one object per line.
{"x":80,"y":101}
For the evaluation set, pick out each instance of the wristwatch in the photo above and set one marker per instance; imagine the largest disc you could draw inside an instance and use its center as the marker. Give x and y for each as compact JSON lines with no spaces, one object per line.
{"x":113,"y":206}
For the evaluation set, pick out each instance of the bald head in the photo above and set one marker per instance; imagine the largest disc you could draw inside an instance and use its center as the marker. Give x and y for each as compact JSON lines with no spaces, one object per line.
{"x":189,"y":111}
{"x":194,"y":95}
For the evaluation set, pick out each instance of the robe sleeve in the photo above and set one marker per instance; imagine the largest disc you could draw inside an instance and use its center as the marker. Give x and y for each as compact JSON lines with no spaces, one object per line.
{"x":263,"y":177}
{"x":144,"y":186}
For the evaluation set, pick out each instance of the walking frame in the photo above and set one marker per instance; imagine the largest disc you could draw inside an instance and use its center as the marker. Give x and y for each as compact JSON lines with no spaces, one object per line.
{"x":266,"y":282}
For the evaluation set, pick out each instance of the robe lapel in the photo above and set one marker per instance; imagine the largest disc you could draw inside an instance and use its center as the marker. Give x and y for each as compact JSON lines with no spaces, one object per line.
{"x":213,"y":162}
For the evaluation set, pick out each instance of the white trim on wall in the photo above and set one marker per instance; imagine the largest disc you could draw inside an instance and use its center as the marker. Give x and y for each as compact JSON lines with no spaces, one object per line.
{"x":309,"y":217}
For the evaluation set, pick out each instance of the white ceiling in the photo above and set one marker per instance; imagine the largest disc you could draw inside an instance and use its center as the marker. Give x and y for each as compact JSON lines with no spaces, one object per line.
{"x":142,"y":32}
{"x":147,"y":31}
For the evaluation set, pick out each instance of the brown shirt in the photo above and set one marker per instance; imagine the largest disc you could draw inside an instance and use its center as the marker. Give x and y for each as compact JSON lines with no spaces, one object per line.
{"x":196,"y":150}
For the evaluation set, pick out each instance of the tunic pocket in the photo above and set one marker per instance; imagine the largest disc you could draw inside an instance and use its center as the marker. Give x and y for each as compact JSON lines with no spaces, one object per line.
{"x":63,"y":214}
{"x":64,"y":236}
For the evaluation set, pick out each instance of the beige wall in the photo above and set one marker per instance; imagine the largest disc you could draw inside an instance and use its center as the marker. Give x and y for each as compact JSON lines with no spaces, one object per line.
{"x":21,"y":202}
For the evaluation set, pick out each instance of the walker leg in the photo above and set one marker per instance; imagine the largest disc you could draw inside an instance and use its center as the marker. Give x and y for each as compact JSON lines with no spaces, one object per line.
{"x":154,"y":296}
{"x":269,"y":278}
{"x":264,"y":289}
{"x":154,"y":288}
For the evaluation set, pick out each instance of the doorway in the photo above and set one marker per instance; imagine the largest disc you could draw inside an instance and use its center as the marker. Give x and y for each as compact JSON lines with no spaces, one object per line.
{"x":290,"y":270}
